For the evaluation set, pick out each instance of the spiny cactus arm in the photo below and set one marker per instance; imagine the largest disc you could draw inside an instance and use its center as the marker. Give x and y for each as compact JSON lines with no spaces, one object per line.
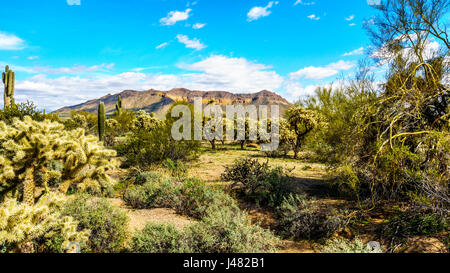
{"x":20,"y":224}
{"x":29,"y":187}
{"x":101,"y":121}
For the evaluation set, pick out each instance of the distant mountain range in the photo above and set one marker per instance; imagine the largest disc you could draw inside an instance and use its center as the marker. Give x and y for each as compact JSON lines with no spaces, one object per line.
{"x":159,"y":102}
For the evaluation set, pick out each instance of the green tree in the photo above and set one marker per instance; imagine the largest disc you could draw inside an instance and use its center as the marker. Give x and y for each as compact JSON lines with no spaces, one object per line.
{"x":302,"y":122}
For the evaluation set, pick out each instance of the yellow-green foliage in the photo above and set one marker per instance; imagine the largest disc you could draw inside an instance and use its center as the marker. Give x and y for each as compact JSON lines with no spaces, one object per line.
{"x":27,"y":147}
{"x":82,"y":119}
{"x":347,"y":246}
{"x":302,"y":121}
{"x":145,"y":121}
{"x":21,"y":225}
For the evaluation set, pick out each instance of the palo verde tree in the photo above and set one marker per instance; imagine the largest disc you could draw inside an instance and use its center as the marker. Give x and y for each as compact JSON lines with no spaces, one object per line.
{"x":28,"y":147}
{"x":404,"y":139}
{"x":302,"y":122}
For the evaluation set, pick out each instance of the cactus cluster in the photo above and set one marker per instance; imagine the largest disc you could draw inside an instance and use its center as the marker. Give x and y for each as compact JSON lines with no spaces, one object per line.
{"x":28,"y":147}
{"x":145,"y":121}
{"x":8,"y":78}
{"x":22,"y":225}
{"x":101,"y":120}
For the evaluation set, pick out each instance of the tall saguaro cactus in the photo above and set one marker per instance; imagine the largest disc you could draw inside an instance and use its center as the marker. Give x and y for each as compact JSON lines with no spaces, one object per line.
{"x":101,"y":120}
{"x":119,"y":106}
{"x":8,"y":78}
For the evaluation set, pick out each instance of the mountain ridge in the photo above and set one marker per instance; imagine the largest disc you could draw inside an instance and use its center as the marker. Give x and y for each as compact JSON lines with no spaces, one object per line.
{"x":159,"y":101}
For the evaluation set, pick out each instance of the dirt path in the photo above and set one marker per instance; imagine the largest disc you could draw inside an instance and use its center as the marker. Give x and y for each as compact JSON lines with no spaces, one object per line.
{"x":139,"y":218}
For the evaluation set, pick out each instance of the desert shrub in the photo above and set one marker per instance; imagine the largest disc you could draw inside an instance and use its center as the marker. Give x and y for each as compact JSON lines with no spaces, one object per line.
{"x":299,"y":218}
{"x":225,"y":230}
{"x":158,"y":238}
{"x":338,"y":108}
{"x":21,"y":110}
{"x":81,"y":119}
{"x":414,"y":222}
{"x":154,"y":193}
{"x":196,"y":199}
{"x":145,"y":177}
{"x":125,"y":121}
{"x":25,"y":228}
{"x":144,"y":148}
{"x":286,"y":139}
{"x":107,"y":223}
{"x":260,"y":183}
{"x":347,"y":246}
{"x":176,"y":168}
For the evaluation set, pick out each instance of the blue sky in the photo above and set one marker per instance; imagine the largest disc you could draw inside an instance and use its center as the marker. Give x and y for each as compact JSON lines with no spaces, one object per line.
{"x":65,"y":52}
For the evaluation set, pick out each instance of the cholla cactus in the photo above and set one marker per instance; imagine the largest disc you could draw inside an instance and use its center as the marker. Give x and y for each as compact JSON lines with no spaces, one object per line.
{"x":85,"y":162}
{"x":27,"y":147}
{"x":22,"y":224}
{"x":302,"y":122}
{"x":112,"y":124}
{"x":145,"y":121}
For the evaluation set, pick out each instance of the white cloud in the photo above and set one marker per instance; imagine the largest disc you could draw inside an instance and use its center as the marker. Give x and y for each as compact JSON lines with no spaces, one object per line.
{"x":313,"y":17}
{"x":175,"y":16}
{"x":322,"y":72}
{"x":162,"y":45}
{"x":295,"y":90}
{"x":351,"y":17}
{"x":219,"y":72}
{"x":198,"y":26}
{"x":358,"y":51}
{"x":33,"y":58}
{"x":194,"y":43}
{"x":74,"y":2}
{"x":300,"y":2}
{"x":431,"y":49}
{"x":10,"y":42}
{"x":374,"y":2}
{"x":257,"y":12}
{"x":352,"y":24}
{"x":216,"y":72}
{"x":76,"y":69}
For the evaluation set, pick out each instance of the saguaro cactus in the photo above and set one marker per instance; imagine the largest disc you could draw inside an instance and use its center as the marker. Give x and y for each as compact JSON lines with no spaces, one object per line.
{"x":8,"y":78}
{"x":101,"y":120}
{"x":119,"y":106}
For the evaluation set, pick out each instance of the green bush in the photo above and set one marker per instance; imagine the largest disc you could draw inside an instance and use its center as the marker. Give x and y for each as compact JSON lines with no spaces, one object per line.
{"x":300,"y":219}
{"x":21,"y":110}
{"x":226,"y":230}
{"x":413,"y":222}
{"x":347,"y":246}
{"x":155,"y":193}
{"x":147,"y":147}
{"x":158,"y":238}
{"x":107,"y":223}
{"x":196,"y":199}
{"x":260,"y":183}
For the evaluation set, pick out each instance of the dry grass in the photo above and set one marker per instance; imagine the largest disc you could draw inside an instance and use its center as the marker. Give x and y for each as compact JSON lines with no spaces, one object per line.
{"x":211,"y":164}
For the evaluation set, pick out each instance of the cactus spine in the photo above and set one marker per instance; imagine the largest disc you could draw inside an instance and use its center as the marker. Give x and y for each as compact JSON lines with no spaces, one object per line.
{"x":101,"y":120}
{"x":119,"y":106}
{"x":8,"y":78}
